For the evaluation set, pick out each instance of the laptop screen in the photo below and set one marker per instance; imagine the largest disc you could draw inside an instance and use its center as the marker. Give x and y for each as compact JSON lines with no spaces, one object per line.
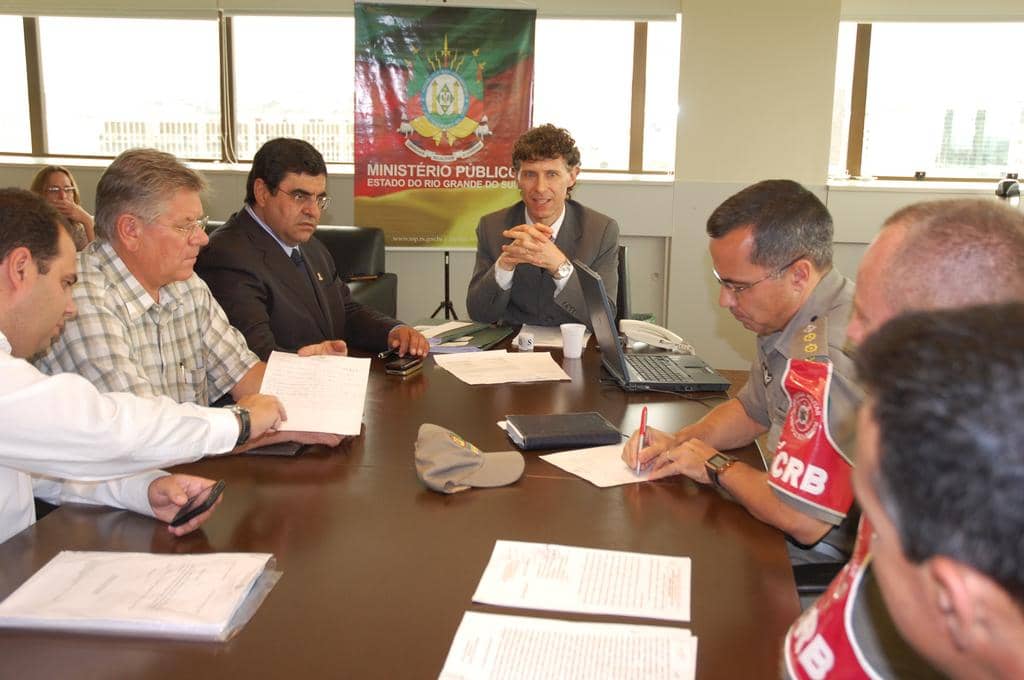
{"x":602,"y":320}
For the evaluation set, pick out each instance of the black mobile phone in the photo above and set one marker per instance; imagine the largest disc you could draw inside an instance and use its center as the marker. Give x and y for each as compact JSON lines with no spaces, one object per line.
{"x":404,"y":366}
{"x":198,"y":504}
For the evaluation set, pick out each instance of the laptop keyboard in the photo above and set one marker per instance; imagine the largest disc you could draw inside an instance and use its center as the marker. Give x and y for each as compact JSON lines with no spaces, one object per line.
{"x":657,"y":368}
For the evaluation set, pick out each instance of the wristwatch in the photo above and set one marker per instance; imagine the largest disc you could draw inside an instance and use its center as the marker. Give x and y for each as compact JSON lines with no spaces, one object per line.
{"x":244,"y":423}
{"x":716,"y":465}
{"x":563,"y":270}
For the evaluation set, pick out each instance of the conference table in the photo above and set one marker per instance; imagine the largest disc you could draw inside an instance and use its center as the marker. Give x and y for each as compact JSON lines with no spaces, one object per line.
{"x":378,"y":570}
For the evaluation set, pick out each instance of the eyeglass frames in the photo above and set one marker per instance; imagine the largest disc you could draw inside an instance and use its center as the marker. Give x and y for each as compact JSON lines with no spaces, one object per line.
{"x":737,"y":288}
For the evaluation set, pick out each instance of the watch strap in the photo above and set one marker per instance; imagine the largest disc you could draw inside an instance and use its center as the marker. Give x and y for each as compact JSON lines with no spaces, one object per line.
{"x":715,"y":471}
{"x":244,"y":423}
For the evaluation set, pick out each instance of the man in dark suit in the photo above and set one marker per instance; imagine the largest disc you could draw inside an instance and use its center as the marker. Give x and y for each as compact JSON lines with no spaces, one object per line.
{"x":524,"y":254}
{"x":278,"y":285}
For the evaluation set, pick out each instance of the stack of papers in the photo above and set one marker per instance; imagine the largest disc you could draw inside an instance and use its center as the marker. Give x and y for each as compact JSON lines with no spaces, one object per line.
{"x":586,"y":580}
{"x":497,"y":367}
{"x":445,"y":338}
{"x":206,"y":597}
{"x":583,"y":580}
{"x":320,"y":393}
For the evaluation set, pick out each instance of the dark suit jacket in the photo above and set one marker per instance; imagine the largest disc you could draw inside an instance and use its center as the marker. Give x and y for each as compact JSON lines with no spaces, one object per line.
{"x":586,"y":235}
{"x":267,"y":298}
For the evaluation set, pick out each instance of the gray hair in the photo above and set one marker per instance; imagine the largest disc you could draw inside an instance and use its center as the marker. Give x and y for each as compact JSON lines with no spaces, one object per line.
{"x":955,"y":253}
{"x":140,"y":181}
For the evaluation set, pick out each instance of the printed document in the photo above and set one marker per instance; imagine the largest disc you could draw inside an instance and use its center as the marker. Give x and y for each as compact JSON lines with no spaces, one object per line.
{"x":187,"y":596}
{"x":499,"y":646}
{"x":497,"y":367}
{"x":586,"y":580}
{"x":319,"y":393}
{"x":600,"y":465}
{"x":547,"y":336}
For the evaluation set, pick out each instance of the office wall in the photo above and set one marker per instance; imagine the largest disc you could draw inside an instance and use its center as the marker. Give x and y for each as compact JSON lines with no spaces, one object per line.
{"x":755,"y":85}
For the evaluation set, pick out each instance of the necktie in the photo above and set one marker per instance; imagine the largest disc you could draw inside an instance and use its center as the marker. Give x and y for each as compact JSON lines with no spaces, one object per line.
{"x":305,"y":274}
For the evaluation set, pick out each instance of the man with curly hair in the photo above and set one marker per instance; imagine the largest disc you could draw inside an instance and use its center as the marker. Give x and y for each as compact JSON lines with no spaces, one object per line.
{"x":524,"y":271}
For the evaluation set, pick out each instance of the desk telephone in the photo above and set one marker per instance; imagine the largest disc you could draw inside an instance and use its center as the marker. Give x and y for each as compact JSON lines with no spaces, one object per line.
{"x":654,"y":336}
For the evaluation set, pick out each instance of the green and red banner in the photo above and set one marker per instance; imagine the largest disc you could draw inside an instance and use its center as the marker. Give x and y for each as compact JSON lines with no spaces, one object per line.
{"x":442,"y":94}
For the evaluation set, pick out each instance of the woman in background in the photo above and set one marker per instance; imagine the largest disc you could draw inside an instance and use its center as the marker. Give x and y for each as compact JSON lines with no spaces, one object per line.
{"x":57,"y":185}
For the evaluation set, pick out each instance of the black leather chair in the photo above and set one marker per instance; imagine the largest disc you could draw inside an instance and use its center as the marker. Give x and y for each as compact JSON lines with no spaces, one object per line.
{"x":359,"y":255}
{"x":622,"y":306}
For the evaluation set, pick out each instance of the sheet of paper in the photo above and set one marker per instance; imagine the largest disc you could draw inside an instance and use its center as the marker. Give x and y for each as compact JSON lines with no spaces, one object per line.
{"x":432,"y":331}
{"x":586,"y":580}
{"x":320,"y":393}
{"x":497,"y":367}
{"x":600,"y":465}
{"x":499,"y":646}
{"x":135,"y":593}
{"x":546,"y":336}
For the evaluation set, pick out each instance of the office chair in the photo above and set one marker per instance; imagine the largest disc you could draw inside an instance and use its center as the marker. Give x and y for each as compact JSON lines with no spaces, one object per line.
{"x":358,"y":254}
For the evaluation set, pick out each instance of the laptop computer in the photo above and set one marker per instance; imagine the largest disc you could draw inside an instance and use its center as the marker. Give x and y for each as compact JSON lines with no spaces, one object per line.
{"x":641,"y":372}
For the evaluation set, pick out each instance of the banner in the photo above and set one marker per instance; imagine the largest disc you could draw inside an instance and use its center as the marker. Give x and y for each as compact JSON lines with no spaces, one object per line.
{"x":442,"y":94}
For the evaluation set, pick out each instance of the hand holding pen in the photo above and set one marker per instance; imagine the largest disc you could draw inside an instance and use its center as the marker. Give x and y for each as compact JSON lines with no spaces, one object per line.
{"x":642,"y":443}
{"x":645,"y":450}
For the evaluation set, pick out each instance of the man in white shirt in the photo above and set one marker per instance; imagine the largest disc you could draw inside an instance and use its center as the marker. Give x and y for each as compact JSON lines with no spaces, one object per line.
{"x":61,"y":428}
{"x":524,"y":254}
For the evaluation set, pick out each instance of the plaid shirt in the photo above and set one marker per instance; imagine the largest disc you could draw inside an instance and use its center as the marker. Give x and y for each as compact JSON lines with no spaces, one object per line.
{"x":122,"y":341}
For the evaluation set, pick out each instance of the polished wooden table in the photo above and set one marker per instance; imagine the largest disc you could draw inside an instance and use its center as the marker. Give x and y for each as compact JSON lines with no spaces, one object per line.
{"x":378,"y":570}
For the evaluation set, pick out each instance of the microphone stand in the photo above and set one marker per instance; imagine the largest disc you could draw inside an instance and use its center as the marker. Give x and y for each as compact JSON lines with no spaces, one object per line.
{"x":446,"y":303}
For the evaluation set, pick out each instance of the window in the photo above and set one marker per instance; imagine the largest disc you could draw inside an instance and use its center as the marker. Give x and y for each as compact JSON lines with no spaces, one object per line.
{"x":944,"y":99}
{"x":157,"y":83}
{"x":15,"y":134}
{"x":661,"y":108}
{"x":583,"y":74}
{"x":141,"y":82}
{"x":294,"y":78}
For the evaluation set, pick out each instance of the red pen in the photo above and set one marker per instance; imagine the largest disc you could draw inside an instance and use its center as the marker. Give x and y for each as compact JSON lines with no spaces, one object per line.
{"x":643,"y":437}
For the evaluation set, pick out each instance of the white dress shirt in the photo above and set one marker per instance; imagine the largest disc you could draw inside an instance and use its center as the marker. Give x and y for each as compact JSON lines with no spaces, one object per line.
{"x":61,"y":427}
{"x":503,"y":276}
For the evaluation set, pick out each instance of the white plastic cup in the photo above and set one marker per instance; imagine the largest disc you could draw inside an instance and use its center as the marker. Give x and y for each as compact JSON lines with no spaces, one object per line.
{"x":572,"y":340}
{"x":525,"y":342}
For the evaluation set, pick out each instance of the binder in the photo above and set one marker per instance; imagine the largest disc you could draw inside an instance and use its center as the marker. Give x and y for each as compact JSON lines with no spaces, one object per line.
{"x":561,"y":431}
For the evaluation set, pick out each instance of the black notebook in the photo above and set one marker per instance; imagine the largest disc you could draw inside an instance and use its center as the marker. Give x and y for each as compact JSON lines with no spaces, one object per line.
{"x":561,"y":431}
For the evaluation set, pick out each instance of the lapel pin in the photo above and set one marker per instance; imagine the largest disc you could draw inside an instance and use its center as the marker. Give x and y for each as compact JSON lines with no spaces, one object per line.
{"x":319,"y":277}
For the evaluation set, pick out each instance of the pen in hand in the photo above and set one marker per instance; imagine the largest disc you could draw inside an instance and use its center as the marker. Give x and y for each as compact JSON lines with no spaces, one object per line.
{"x":642,"y":441}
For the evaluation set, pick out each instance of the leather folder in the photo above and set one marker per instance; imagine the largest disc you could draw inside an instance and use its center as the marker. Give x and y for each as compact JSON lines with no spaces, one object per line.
{"x":561,"y":431}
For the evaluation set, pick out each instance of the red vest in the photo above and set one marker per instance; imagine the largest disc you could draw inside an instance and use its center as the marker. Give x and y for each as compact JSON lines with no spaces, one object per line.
{"x":821,"y":644}
{"x":808,"y":465}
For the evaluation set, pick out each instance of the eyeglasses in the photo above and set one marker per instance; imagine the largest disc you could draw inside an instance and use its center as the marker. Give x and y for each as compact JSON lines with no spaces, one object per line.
{"x":61,"y":190}
{"x":189,"y":228}
{"x":737,"y":288}
{"x":303,"y":197}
